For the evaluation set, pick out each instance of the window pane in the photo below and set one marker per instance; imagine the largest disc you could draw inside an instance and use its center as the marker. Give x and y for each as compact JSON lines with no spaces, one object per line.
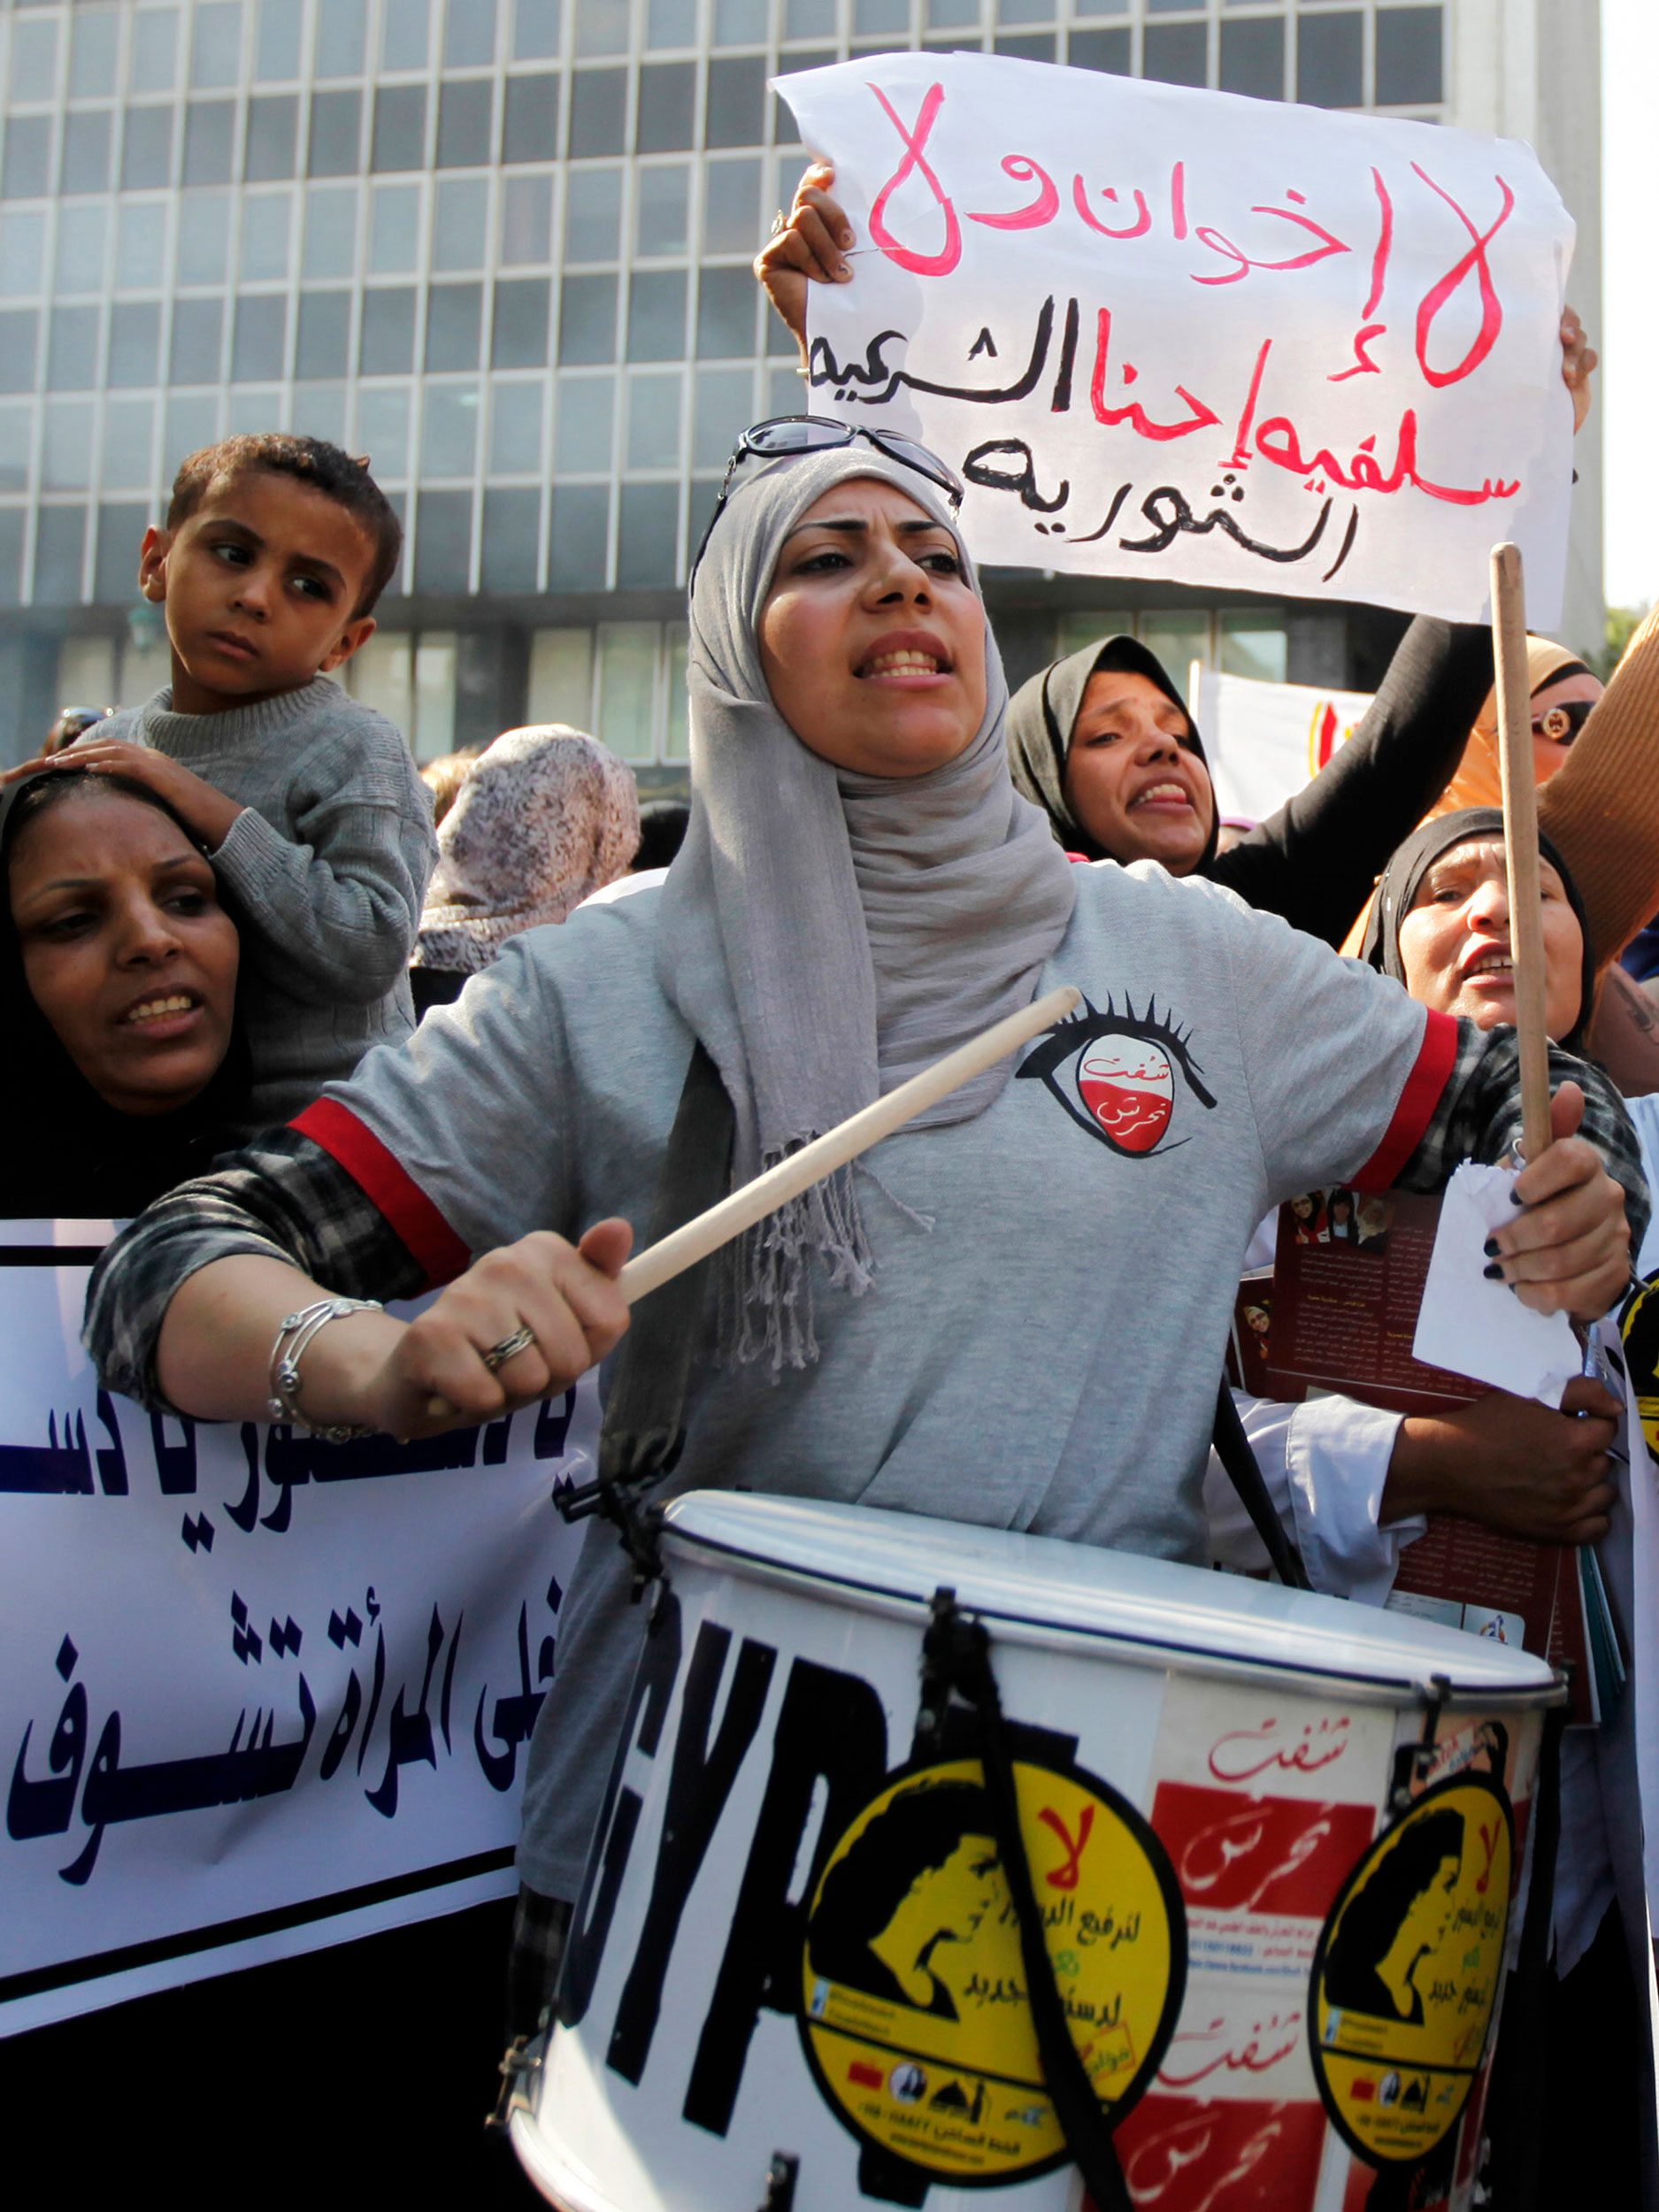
{"x":1329,"y":61}
{"x":657,"y":315}
{"x":389,"y":331}
{"x":216,"y":43}
{"x":277,"y":42}
{"x":469,"y":34}
{"x":81,"y":232}
{"x":400,"y":128}
{"x":20,"y":335}
{"x":1025,"y":11}
{"x":511,"y":541}
{"x":1174,"y":53}
{"x":320,"y":412}
{"x":593,"y":214}
{"x":653,"y":440}
{"x":465,"y":113}
{"x":403,"y":34}
{"x":668,"y":101}
{"x":519,"y":338}
{"x":677,"y":736}
{"x":273,"y":131}
{"x":627,"y":673}
{"x":129,"y":427}
{"x":526,"y":220}
{"x":1254,"y":644}
{"x":1408,"y":56}
{"x":203,"y":237}
{"x":267,"y":220}
{"x":671,"y":23}
{"x":261,"y":339}
{"x":530,"y":128}
{"x":602,"y":26}
{"x":394,"y":228}
{"x":737,"y":95}
{"x":1253,"y":57}
{"x":141,"y":246}
{"x":1178,"y":639}
{"x":731,"y":207}
{"x":587,"y":319}
{"x":59,"y":550}
{"x":33,"y":72}
{"x":449,"y":431}
{"x":209,"y":127}
{"x":325,"y":335}
{"x":598,"y":112}
{"x":27,"y":156}
{"x":191,"y":421}
{"x":433,"y":728}
{"x":381,"y":675}
{"x":583,"y":436}
{"x":562,"y":677}
{"x":92,"y":55}
{"x":134,"y":342}
{"x":461,"y":220}
{"x":196,"y":327}
{"x":331,"y":230}
{"x":383,"y":429}
{"x":72,"y":350}
{"x":342,"y":27}
{"x":153,"y":65}
{"x":147,"y":147}
{"x":663,"y":214}
{"x":66,"y":447}
{"x":871,"y":16}
{"x":742,"y":22}
{"x":536,"y":29}
{"x":22,"y":253}
{"x":454,"y":314}
{"x":578,"y":523}
{"x":515,"y":430}
{"x":722,"y":408}
{"x":337,"y":127}
{"x":816,"y":19}
{"x":726,"y":302}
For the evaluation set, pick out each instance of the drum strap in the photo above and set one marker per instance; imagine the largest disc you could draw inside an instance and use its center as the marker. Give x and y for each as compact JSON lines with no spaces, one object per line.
{"x":1232,"y":1449}
{"x":644,"y":1427}
{"x":957,"y":1656}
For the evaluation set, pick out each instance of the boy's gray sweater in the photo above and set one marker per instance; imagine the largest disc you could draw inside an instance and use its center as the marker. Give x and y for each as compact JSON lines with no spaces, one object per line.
{"x":325,"y":870}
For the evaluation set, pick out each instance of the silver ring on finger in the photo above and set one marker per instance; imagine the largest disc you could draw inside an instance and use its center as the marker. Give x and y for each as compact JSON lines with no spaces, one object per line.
{"x":779,"y":223}
{"x":510,"y":1347}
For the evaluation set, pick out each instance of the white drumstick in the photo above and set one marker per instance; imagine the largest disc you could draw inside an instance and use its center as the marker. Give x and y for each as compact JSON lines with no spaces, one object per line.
{"x":663,"y":1261}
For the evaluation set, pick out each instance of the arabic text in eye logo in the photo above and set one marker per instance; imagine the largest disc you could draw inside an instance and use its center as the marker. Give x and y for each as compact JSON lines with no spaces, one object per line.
{"x":1122,"y":1076}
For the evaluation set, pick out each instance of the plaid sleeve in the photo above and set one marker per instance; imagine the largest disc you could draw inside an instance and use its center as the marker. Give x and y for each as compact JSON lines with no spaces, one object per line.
{"x":284,"y":1198}
{"x":1478,"y":1117}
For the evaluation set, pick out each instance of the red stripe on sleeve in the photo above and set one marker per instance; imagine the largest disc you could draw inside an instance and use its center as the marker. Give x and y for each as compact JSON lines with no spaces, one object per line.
{"x":430,"y":1238}
{"x":1436,"y":1057}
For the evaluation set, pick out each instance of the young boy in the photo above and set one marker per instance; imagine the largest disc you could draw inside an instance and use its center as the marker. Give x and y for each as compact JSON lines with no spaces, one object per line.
{"x":274,"y":552}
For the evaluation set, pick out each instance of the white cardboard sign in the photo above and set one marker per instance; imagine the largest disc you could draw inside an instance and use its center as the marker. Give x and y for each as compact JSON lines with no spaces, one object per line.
{"x":1263,"y":742}
{"x":258,"y":1694}
{"x":1178,"y":334}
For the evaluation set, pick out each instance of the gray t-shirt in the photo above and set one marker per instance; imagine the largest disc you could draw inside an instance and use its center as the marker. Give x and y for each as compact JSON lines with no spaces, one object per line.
{"x":1053,"y":1278}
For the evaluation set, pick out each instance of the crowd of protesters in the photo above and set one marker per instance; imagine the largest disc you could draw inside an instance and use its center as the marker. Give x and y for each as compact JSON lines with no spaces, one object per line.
{"x":240,"y":893}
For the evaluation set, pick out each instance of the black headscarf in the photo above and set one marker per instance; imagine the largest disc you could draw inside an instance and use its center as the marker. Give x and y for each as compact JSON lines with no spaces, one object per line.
{"x":66,"y":1152}
{"x":1042,"y":716}
{"x":1404,"y":877}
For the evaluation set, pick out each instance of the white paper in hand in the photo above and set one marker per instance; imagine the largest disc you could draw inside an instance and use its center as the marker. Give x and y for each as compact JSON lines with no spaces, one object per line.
{"x":1479,"y":1328}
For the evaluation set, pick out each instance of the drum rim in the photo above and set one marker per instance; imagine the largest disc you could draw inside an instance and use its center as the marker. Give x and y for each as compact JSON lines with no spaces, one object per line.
{"x":1426,"y":1687}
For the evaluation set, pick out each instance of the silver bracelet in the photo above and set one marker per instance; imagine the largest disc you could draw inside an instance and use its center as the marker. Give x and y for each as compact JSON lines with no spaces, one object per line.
{"x":292,"y":1339}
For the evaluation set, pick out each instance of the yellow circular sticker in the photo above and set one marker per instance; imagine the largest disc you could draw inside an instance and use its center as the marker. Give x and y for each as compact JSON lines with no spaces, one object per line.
{"x":1407,"y":1971}
{"x":914,"y":2012}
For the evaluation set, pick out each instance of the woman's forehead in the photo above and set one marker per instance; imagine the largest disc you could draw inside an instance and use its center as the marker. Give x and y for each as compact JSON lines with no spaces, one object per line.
{"x":862,"y":498}
{"x":1108,"y":687}
{"x":1480,"y":858}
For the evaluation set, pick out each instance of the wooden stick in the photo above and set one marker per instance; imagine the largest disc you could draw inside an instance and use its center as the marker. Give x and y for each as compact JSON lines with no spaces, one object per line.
{"x":650,"y":1269}
{"x":1520,"y":843}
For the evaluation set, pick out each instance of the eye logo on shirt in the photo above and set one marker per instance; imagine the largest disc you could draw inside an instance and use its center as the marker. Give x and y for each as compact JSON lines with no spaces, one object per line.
{"x":1120,"y":1076}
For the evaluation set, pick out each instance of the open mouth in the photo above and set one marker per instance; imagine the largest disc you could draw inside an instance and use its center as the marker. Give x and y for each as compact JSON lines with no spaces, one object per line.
{"x":905,"y":659}
{"x":1171,"y":795}
{"x":1498,"y":967}
{"x":153,"y":1014}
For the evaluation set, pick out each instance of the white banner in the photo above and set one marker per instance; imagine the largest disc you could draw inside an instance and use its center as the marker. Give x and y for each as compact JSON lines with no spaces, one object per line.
{"x":260,"y":1694}
{"x":1265,"y":742}
{"x":1181,"y":335}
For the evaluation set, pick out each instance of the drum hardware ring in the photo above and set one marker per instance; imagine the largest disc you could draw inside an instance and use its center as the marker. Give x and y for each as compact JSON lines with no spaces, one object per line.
{"x":782,"y":2176}
{"x":520,"y":2064}
{"x":1413,"y":1761}
{"x":621,"y":1500}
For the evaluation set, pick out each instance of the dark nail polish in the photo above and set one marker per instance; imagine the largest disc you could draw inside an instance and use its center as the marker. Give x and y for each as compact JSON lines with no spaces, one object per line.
{"x":1490,"y":1248}
{"x":1516,"y":1198}
{"x":1493,"y":1274}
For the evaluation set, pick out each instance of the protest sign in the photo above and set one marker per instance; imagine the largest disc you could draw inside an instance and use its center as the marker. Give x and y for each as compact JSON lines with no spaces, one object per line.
{"x":1183,"y":336}
{"x":261,"y":1693}
{"x":1264,"y":743}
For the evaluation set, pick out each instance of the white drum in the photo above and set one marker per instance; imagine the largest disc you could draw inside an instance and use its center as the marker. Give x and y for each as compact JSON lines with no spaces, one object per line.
{"x":1273,"y":1837}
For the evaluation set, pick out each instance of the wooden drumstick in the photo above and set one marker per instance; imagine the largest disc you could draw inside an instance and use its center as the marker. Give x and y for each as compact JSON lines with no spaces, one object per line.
{"x":1520,"y":843}
{"x":671,"y":1254}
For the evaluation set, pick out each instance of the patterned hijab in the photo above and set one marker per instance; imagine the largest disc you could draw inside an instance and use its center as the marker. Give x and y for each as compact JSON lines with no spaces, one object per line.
{"x":825,"y":935}
{"x":544,"y":816}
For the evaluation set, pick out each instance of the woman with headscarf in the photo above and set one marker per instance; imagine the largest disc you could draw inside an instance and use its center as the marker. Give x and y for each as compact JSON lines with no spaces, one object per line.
{"x":860,"y":890}
{"x":543,"y":816}
{"x":1355,"y":1483}
{"x":1561,"y":692}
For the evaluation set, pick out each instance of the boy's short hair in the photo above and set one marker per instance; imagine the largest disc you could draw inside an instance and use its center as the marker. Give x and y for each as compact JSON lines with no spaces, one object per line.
{"x":326,"y":468}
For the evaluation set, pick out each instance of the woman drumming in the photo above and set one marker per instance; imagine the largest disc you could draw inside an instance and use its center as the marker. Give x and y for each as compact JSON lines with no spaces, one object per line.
{"x":1014,"y":1317}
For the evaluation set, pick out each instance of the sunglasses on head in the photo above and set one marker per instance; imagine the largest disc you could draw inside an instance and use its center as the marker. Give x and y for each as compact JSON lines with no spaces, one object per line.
{"x":1560,"y":724}
{"x":786,"y":437}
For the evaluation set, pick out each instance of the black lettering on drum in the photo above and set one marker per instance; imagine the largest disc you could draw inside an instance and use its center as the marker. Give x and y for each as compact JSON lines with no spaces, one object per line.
{"x":831,"y":1727}
{"x":620,"y":1815}
{"x":700,"y":1781}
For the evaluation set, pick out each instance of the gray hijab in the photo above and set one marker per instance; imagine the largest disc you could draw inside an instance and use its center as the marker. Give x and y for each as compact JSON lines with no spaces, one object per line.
{"x":826,"y":934}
